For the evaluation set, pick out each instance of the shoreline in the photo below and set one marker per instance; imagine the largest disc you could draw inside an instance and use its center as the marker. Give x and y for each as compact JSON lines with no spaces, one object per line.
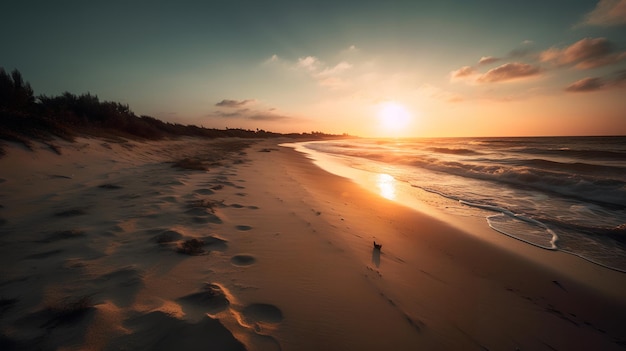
{"x":472,"y":220}
{"x":287,"y":252}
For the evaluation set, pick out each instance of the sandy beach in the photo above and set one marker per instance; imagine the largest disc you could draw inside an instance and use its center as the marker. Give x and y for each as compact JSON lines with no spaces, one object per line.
{"x":234,"y":244}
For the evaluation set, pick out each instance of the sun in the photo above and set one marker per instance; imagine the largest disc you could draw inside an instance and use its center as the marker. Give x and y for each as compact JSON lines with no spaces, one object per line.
{"x":393,"y":117}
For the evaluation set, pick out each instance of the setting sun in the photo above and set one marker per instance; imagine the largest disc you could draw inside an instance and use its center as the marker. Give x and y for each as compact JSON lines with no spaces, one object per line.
{"x":393,"y":116}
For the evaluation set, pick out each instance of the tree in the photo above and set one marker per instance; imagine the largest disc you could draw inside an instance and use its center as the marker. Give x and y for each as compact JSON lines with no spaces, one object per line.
{"x":15,"y":94}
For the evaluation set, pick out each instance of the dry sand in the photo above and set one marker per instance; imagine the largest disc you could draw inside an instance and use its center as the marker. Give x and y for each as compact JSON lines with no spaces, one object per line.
{"x":109,"y":247}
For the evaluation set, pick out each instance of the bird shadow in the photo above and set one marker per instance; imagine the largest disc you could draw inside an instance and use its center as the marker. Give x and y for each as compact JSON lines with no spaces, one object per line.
{"x":376,"y":257}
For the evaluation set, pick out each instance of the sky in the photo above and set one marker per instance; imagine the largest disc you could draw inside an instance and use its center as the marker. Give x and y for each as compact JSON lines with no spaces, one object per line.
{"x":369,"y":68}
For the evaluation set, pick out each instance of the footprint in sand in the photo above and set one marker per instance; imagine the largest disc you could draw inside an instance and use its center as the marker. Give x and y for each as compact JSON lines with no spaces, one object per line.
{"x":242,"y":260}
{"x":211,"y":297}
{"x":204,"y":192}
{"x":243,"y":228}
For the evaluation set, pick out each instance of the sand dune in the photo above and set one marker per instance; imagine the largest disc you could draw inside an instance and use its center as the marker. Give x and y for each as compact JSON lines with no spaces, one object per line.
{"x":235,"y":244}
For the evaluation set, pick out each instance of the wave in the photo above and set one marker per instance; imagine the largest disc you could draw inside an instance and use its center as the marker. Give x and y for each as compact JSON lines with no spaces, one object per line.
{"x":604,"y":184}
{"x":588,"y":187}
{"x":571,"y":167}
{"x":517,"y":226}
{"x":586,"y":154}
{"x":445,"y":150}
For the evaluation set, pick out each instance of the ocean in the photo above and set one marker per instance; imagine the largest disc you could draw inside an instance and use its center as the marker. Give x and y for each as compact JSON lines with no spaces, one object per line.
{"x":557,"y":193}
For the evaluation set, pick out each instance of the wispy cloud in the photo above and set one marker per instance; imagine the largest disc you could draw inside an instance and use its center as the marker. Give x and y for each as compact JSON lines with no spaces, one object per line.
{"x":440,"y":94}
{"x":607,"y":13}
{"x":326,"y":75}
{"x":273,"y":58}
{"x":462,"y":73}
{"x":503,"y":73}
{"x":267,"y":116}
{"x":591,"y":84}
{"x":250,"y":114}
{"x":485,"y":60}
{"x":234,"y":103}
{"x":620,"y":78}
{"x":235,"y":110}
{"x":337,"y":69}
{"x":309,"y":63}
{"x":586,"y":85}
{"x":584,"y":54}
{"x":508,"y":72}
{"x":330,"y":76}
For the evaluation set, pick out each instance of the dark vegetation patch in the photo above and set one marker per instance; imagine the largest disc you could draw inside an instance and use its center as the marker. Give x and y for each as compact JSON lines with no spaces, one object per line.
{"x":71,"y":213}
{"x":190,"y":164}
{"x":168,"y":236}
{"x":68,"y":312}
{"x":55,"y":148}
{"x":25,"y":117}
{"x":210,"y":205}
{"x":110,"y":186}
{"x":192,"y":247}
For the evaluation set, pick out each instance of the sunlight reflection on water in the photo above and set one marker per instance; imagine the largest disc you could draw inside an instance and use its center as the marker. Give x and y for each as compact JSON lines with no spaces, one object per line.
{"x":386,"y":186}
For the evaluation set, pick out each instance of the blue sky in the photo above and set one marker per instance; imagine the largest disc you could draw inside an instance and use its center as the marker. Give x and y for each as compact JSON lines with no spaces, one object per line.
{"x":548,"y":67}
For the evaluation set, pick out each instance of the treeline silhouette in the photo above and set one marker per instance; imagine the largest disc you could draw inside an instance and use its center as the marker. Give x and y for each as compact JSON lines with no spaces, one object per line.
{"x":24,"y":117}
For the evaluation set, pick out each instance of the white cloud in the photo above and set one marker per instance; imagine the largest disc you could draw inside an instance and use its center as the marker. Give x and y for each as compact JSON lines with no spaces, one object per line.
{"x":274,"y":58}
{"x":310,"y":63}
{"x":338,"y":69}
{"x":332,"y":77}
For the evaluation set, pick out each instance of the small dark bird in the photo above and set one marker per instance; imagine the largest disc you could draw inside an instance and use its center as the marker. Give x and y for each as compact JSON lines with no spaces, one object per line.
{"x":377,"y":246}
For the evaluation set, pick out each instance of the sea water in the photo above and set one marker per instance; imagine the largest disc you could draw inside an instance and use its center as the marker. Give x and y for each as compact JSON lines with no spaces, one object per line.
{"x":557,"y":193}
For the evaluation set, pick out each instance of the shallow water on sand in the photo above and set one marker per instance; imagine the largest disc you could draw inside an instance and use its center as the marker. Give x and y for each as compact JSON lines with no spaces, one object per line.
{"x":558,"y":193}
